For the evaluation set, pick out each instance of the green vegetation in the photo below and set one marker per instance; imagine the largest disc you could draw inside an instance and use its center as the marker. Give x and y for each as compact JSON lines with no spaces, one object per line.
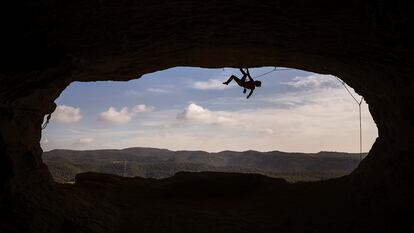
{"x":160,"y":163}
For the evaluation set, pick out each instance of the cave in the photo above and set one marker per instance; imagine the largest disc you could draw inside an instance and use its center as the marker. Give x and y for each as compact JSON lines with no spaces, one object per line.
{"x":49,"y":44}
{"x":299,"y":126}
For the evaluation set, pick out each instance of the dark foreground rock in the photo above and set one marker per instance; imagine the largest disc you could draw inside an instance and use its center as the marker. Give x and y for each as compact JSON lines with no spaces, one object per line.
{"x":229,"y":202}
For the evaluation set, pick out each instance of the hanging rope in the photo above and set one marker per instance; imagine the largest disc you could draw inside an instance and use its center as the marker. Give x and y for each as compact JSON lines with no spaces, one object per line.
{"x":349,"y":92}
{"x":360,"y":117}
{"x":266,"y":73}
{"x":274,"y":70}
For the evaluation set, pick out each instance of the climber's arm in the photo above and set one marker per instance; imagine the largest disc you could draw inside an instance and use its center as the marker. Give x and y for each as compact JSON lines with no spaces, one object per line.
{"x":248,"y":75}
{"x":251,"y":92}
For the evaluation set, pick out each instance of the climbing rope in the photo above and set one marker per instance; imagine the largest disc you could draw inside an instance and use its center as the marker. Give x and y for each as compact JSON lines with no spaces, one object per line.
{"x":274,"y":70}
{"x":360,"y":118}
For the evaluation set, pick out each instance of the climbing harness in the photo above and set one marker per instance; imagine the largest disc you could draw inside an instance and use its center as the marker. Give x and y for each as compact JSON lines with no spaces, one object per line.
{"x":360,"y":118}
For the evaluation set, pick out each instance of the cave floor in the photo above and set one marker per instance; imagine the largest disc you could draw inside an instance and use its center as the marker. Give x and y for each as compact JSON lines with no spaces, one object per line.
{"x":228,"y":202}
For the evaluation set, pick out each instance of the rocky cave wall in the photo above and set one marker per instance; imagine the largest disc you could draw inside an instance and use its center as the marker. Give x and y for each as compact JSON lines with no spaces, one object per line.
{"x":49,"y":44}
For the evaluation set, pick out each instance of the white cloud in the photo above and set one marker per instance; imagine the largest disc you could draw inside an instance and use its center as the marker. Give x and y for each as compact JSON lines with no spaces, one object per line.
{"x":215,"y":82}
{"x":124,"y":115}
{"x":211,"y":84}
{"x":86,"y":140}
{"x":114,"y":116}
{"x":198,"y":114}
{"x":313,"y":81}
{"x":142,"y":108}
{"x":66,"y":114}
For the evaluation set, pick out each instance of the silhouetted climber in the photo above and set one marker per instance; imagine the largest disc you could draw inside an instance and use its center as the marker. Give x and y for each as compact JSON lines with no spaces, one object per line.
{"x":250,"y":84}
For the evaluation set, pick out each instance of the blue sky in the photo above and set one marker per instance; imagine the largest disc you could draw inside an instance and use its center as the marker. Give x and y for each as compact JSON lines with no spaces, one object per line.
{"x":186,"y":108}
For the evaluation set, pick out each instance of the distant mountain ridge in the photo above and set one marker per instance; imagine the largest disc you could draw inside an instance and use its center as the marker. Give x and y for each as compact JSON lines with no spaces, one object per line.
{"x":162,"y":163}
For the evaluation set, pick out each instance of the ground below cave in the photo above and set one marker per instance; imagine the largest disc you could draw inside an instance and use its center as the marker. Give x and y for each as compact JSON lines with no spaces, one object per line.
{"x":230,"y":202}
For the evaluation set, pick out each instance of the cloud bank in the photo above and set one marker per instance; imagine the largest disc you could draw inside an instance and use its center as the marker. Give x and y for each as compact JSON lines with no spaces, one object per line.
{"x":198,"y":114}
{"x":66,"y":114}
{"x":123,"y":116}
{"x":314,"y":81}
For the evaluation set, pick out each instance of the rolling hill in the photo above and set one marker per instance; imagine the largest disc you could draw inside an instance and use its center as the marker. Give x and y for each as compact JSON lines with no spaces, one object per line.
{"x":162,"y":163}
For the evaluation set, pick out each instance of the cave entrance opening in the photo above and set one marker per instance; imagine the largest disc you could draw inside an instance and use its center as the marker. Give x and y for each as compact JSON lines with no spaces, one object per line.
{"x":185,"y":119}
